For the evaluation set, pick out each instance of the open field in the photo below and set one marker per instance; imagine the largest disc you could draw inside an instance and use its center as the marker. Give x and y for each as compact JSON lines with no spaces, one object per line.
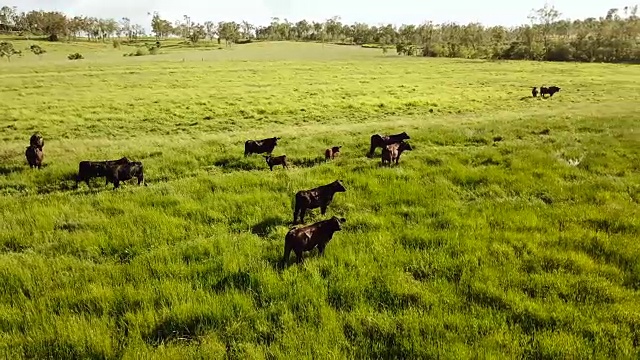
{"x":485,"y":242}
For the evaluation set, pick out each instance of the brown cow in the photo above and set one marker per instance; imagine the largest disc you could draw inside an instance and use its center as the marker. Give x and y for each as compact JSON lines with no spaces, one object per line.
{"x":36,"y":140}
{"x":306,"y":238}
{"x":379,"y":141}
{"x":276,"y":160}
{"x":260,"y":146}
{"x":91,"y":169}
{"x":391,"y":153}
{"x":319,"y":197}
{"x":34,"y":156}
{"x":331,"y":153}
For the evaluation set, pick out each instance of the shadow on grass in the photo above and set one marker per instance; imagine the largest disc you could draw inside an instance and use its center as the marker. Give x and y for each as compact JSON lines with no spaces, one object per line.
{"x":307,"y":162}
{"x":8,"y":169}
{"x":241,"y":163}
{"x":267,"y":226}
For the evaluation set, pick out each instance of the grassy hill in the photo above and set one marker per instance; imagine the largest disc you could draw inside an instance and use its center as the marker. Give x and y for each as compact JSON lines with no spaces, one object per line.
{"x":510,"y":230}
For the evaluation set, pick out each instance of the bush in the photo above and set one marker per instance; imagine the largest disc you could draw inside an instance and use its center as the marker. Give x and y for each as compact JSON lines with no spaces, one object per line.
{"x":76,"y":56}
{"x":244,"y":41}
{"x":116,"y":44}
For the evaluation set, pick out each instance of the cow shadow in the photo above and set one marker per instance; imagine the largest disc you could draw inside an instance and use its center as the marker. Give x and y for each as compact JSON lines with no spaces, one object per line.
{"x":240,"y":163}
{"x":8,"y":169}
{"x":307,"y":162}
{"x":264,"y":228}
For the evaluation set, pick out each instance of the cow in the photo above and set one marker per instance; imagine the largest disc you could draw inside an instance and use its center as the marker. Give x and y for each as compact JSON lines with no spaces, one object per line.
{"x":308,"y":237}
{"x":122,"y":172}
{"x":37,"y":140}
{"x":380,"y":141}
{"x":534,"y":91}
{"x":34,"y":156}
{"x":91,"y":169}
{"x":391,"y":153}
{"x":331,"y":153}
{"x":319,"y":197}
{"x":260,"y":146}
{"x":276,"y":160}
{"x":548,"y":90}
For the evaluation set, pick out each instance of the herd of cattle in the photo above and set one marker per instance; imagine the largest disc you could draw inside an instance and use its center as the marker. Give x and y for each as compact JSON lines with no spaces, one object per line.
{"x":298,"y":240}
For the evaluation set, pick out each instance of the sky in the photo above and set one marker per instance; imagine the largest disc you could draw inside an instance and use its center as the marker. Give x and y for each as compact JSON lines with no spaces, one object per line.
{"x":373,"y":12}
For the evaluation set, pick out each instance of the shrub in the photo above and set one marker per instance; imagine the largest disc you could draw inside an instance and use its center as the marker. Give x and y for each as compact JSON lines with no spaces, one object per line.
{"x":116,"y":44}
{"x":76,"y":56}
{"x":37,"y":50}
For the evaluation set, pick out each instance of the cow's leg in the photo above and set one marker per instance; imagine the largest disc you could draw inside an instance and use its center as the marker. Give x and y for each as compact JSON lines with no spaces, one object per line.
{"x":116,"y":183}
{"x":323,"y":209}
{"x":298,"y":252}
{"x":371,"y":150}
{"x":321,"y":247}
{"x":141,"y":179}
{"x":287,"y":254}
{"x":302,"y":213}
{"x":296,"y":213}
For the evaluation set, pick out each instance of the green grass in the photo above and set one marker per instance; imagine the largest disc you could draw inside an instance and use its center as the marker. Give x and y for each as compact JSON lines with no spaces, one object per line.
{"x":484,"y":241}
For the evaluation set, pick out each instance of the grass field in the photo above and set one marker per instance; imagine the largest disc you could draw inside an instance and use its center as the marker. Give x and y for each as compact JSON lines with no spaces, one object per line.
{"x":487,"y":241}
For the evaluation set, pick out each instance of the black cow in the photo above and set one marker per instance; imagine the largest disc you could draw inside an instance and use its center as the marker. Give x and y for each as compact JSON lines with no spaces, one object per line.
{"x":34,"y":156}
{"x":37,"y":140}
{"x":306,"y":238}
{"x":391,"y":153}
{"x":91,"y":169}
{"x":534,"y":91}
{"x":380,"y":141}
{"x":276,"y":160}
{"x":319,"y":197}
{"x":548,"y":90}
{"x":260,"y":146}
{"x":123,"y":172}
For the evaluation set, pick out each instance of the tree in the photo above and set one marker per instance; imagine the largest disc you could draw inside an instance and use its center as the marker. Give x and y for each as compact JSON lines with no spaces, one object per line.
{"x":7,"y":50}
{"x":545,"y":18}
{"x":197,"y":32}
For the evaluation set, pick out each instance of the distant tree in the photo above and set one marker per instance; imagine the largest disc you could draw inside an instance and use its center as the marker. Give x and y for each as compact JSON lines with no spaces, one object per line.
{"x":7,"y":50}
{"x":546,"y":18}
{"x":197,"y":32}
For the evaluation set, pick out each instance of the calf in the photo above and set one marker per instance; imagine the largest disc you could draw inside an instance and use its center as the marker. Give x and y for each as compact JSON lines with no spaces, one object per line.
{"x":319,"y":197}
{"x":34,"y":156}
{"x":379,"y":141}
{"x":308,"y":237}
{"x":260,"y":146}
{"x":331,"y":153}
{"x":36,"y":140}
{"x":276,"y":160}
{"x":91,"y":169}
{"x":392,"y":152}
{"x":548,"y":90}
{"x":123,"y":172}
{"x":534,"y":91}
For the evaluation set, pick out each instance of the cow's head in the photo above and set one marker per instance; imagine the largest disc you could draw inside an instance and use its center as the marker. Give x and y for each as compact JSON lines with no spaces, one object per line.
{"x":338,"y":187}
{"x":336,"y":223}
{"x":336,"y":148}
{"x":405,"y":146}
{"x":405,"y":136}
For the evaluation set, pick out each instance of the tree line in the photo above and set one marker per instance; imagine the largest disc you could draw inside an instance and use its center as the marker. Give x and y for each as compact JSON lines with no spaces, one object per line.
{"x":610,"y":38}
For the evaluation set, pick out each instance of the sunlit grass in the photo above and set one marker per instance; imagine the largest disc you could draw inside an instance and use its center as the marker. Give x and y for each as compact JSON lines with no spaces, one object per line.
{"x":488,"y":240}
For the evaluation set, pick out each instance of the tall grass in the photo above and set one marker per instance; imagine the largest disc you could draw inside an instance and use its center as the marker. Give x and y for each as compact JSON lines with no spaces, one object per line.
{"x":488,"y":240}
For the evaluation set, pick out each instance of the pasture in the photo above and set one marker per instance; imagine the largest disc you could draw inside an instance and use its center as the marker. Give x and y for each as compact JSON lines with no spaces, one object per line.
{"x":511,"y":229}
